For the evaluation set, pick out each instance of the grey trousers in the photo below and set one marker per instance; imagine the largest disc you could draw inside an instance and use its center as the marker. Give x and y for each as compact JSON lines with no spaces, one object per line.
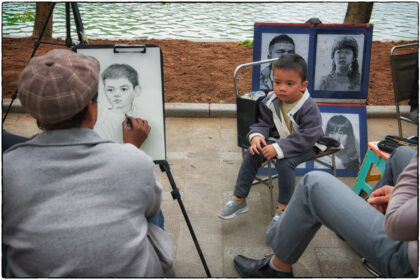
{"x":396,"y":163}
{"x":322,"y":199}
{"x":285,"y":169}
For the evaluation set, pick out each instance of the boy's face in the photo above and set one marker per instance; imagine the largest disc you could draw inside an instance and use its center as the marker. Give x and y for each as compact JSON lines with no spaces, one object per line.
{"x":281,"y":48}
{"x":288,"y":85}
{"x":120,"y":93}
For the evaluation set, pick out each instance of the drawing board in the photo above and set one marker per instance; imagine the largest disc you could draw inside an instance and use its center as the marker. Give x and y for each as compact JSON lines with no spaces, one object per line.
{"x":131,"y":82}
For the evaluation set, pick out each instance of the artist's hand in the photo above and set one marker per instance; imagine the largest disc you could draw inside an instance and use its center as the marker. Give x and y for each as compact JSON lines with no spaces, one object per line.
{"x":269,"y":152}
{"x":135,"y":131}
{"x":380,"y":198}
{"x":257,"y":142}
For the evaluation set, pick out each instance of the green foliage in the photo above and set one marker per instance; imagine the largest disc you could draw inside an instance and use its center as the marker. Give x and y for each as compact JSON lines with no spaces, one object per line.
{"x":246,"y":43}
{"x":165,"y":4}
{"x":27,"y":16}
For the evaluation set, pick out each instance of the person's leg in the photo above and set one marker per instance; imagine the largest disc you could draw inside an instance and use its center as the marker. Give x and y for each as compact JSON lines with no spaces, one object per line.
{"x":9,"y":139}
{"x":396,"y":163}
{"x":3,"y":260}
{"x":158,"y":220}
{"x":320,"y":198}
{"x":247,"y":172}
{"x":286,"y":170}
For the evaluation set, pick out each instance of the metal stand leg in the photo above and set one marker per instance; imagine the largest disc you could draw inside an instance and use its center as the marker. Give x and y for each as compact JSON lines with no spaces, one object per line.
{"x":270,"y":187}
{"x":164,"y":167}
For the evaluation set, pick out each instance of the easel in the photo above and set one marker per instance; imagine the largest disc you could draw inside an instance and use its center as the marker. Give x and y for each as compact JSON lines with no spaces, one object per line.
{"x":163,"y":164}
{"x":164,"y":167}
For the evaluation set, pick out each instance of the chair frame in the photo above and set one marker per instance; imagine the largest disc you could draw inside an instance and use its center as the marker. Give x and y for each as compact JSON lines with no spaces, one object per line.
{"x":268,"y":180}
{"x":396,"y":98}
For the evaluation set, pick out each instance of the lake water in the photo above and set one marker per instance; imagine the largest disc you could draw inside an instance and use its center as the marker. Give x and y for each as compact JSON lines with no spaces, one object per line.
{"x":209,"y":21}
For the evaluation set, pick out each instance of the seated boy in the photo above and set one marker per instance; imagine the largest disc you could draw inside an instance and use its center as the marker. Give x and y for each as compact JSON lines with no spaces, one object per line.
{"x":289,"y":128}
{"x":121,"y":87}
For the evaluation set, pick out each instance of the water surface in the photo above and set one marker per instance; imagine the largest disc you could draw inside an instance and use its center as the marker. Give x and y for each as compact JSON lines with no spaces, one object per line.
{"x":209,"y":21}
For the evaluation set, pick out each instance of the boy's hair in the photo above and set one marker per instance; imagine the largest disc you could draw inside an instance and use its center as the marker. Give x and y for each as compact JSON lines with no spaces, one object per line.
{"x":283,"y":38}
{"x":292,"y":61}
{"x":116,"y":71}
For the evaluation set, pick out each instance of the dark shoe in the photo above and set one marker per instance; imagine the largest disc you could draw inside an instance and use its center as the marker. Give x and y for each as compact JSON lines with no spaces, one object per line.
{"x":250,"y":268}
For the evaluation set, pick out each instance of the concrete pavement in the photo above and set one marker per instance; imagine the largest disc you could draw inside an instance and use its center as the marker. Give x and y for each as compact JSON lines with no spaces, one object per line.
{"x":204,"y":160}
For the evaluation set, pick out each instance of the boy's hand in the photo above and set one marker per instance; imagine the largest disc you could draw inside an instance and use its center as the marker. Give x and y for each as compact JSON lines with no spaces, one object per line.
{"x":269,"y":152}
{"x":380,"y":198}
{"x":135,"y":131}
{"x":257,"y":143}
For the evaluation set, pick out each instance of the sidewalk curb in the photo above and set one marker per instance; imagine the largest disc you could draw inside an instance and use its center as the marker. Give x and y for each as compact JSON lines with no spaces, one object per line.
{"x":214,"y":110}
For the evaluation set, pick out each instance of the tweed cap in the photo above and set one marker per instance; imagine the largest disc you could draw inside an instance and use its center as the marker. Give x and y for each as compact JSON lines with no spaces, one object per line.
{"x":56,"y":86}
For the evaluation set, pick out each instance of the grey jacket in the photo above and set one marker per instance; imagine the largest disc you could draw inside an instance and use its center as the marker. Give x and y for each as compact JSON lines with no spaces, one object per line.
{"x":75,"y":205}
{"x":402,"y":220}
{"x":307,"y":127}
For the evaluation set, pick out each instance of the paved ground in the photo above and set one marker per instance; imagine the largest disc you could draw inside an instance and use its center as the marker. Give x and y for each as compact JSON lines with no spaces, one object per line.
{"x":204,"y":161}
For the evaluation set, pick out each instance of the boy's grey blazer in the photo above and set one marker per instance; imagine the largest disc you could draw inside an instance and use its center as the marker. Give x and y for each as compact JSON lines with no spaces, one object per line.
{"x":306,"y":121}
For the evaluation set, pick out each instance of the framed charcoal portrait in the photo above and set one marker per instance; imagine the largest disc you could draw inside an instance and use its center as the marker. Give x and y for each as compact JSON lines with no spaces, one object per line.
{"x":347,"y":124}
{"x":341,"y":63}
{"x":271,"y":41}
{"x":338,"y":57}
{"x":338,"y":62}
{"x":275,"y":44}
{"x":130,"y":83}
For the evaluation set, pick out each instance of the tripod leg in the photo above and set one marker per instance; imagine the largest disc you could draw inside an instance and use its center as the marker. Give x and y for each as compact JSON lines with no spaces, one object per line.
{"x":37,"y":42}
{"x":79,"y":25}
{"x":164,"y":166}
{"x":69,"y":41}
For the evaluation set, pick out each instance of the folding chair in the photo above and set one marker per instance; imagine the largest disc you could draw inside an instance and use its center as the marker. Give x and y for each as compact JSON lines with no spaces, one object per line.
{"x":404,"y":68}
{"x":247,"y":113}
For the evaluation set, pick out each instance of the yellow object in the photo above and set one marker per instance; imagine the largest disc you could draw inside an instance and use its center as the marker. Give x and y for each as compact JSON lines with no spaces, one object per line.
{"x":238,"y":199}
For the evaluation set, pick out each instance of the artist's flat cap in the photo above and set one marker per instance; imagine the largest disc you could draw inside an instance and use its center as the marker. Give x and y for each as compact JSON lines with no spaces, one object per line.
{"x":56,"y":86}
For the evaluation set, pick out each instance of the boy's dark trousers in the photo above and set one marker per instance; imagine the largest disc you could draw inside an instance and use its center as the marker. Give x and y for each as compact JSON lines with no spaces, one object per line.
{"x":285,"y":169}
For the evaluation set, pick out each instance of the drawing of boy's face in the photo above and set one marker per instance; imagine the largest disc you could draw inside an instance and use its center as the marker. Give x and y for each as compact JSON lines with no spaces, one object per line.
{"x":120,"y":93}
{"x":281,"y":48}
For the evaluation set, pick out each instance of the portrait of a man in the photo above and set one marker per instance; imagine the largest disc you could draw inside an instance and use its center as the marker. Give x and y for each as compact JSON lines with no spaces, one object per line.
{"x":274,"y":45}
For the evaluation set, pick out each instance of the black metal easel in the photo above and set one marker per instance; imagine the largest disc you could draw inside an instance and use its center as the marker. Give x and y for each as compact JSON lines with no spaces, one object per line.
{"x":69,"y":42}
{"x":164,"y":167}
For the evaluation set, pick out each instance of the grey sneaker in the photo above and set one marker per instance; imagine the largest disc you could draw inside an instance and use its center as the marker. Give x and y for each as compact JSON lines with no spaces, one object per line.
{"x":232,"y":209}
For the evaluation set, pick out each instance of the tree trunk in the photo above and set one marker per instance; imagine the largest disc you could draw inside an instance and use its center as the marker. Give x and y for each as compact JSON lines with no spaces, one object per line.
{"x":358,"y":12}
{"x":42,"y":10}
